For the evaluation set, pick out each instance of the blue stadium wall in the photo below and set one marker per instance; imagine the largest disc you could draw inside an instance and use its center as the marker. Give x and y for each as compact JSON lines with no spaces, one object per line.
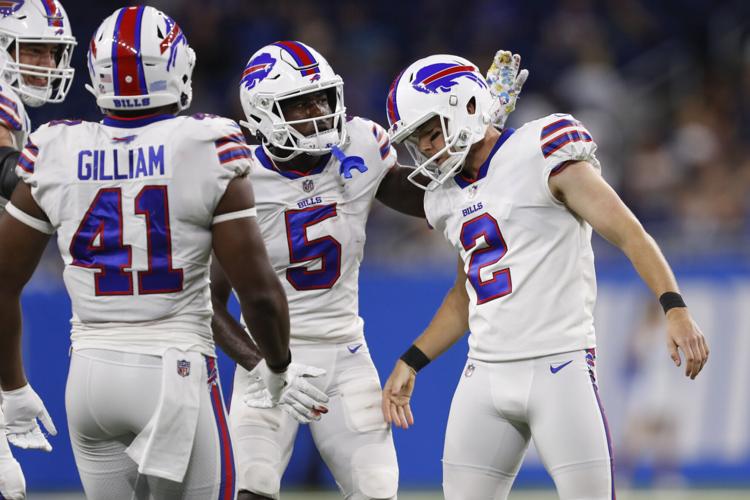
{"x":713,"y":441}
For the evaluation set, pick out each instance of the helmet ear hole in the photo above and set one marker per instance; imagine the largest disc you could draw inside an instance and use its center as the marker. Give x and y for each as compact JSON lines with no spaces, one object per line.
{"x":471,"y":106}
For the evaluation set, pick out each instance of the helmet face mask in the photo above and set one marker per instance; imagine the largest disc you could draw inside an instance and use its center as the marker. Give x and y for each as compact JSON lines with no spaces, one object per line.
{"x":286,"y":71}
{"x":139,"y":59}
{"x":452,"y":89}
{"x":432,"y":171}
{"x":32,"y":27}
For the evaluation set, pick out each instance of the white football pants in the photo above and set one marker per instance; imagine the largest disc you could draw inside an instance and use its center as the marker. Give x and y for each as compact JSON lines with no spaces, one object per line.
{"x":498,"y":407}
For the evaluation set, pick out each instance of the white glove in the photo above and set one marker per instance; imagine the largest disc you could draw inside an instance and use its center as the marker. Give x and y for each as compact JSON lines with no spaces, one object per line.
{"x":505,"y":82}
{"x":22,"y":407}
{"x":298,"y":397}
{"x":12,"y":482}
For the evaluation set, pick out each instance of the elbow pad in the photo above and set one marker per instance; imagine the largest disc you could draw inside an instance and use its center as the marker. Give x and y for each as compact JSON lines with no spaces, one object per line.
{"x":8,"y":178}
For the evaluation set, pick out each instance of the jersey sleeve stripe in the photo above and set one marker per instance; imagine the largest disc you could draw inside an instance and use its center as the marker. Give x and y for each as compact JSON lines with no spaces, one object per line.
{"x":558,"y":125}
{"x":385,"y":149}
{"x":9,"y":120}
{"x":234,"y":154}
{"x":230,"y":139}
{"x":9,"y":103}
{"x":25,"y":163}
{"x":563,"y":139}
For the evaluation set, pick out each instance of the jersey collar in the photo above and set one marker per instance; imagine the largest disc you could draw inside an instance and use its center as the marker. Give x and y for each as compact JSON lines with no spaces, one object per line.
{"x":464,"y":181}
{"x":140,"y":121}
{"x":264,"y":160}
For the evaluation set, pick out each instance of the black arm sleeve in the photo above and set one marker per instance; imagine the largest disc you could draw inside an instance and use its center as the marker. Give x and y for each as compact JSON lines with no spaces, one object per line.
{"x":8,"y":178}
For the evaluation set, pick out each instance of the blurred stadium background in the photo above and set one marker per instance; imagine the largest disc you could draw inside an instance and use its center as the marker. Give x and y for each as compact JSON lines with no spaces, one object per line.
{"x":664,"y":86}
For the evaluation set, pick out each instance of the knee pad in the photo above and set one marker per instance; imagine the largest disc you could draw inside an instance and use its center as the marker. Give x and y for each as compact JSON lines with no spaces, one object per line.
{"x":361,"y":398}
{"x":259,"y":467}
{"x":375,"y":472}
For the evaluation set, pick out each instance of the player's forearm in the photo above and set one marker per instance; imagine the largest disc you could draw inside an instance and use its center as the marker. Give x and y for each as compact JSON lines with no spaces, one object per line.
{"x":266,"y":314}
{"x":649,"y":262}
{"x":12,"y":375}
{"x":233,"y":340}
{"x":398,"y":193}
{"x":450,"y":323}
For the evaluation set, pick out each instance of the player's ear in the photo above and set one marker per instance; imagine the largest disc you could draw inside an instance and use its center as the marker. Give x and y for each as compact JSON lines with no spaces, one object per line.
{"x":471,"y":106}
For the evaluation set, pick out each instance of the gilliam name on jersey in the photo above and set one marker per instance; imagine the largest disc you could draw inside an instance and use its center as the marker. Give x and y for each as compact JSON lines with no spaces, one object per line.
{"x":118,"y":164}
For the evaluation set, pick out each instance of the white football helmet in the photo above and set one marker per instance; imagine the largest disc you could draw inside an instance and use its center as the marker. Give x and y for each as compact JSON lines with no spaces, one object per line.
{"x":25,"y":22}
{"x":139,"y":59}
{"x":285,"y":70}
{"x":443,"y":86}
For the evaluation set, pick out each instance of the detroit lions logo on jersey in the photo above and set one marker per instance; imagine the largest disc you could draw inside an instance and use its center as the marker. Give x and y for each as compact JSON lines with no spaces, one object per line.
{"x":441,"y":77}
{"x":257,"y":69}
{"x":8,"y":7}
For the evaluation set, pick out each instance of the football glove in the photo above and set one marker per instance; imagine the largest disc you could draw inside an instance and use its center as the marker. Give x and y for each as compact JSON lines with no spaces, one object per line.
{"x":22,"y":407}
{"x":505,"y":80}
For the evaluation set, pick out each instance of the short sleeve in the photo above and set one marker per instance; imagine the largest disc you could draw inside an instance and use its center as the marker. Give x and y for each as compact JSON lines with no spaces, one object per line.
{"x":564,"y":139}
{"x":232,"y":152}
{"x":385,"y":149}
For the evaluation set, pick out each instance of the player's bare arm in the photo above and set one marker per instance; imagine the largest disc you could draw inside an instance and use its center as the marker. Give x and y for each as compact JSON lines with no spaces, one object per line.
{"x":450,"y":323}
{"x":228,"y":333}
{"x":588,"y":195}
{"x":398,"y":193}
{"x":239,"y":248}
{"x":21,"y":247}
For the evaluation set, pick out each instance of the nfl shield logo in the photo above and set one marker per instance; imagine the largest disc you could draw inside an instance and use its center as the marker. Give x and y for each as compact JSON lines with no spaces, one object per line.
{"x":308,"y":185}
{"x":183,"y":367}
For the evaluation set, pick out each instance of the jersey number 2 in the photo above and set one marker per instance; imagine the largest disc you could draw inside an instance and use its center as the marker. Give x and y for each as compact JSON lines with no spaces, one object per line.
{"x":98,"y":244}
{"x":494,"y":250}
{"x":302,"y":250}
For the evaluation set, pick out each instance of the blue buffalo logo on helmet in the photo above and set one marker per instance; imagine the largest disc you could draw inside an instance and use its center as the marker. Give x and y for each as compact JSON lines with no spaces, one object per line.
{"x":8,"y":7}
{"x":257,"y":70}
{"x":440,"y":77}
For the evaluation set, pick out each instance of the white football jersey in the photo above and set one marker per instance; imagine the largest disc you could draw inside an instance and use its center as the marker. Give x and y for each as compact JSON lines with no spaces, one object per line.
{"x":13,"y":116}
{"x":528,"y":259}
{"x":132,"y":202}
{"x":314,"y":228}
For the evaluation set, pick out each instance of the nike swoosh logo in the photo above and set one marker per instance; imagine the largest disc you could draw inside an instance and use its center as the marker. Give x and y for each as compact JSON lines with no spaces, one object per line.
{"x":555,"y":369}
{"x":353,"y":348}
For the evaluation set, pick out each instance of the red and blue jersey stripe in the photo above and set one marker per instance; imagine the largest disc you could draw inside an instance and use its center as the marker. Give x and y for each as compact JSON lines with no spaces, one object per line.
{"x":561,"y":140}
{"x":303,"y":57}
{"x":127,"y":65}
{"x":28,"y":157}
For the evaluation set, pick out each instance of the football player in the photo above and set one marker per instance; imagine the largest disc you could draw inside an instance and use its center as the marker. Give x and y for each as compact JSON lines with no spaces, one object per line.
{"x":316,"y":176}
{"x":35,"y":49}
{"x":519,"y":207}
{"x":138,"y":202}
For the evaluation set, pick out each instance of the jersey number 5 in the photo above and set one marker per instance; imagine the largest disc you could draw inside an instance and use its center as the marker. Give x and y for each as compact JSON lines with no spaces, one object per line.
{"x":302,"y":250}
{"x":98,"y":244}
{"x":493,"y":250}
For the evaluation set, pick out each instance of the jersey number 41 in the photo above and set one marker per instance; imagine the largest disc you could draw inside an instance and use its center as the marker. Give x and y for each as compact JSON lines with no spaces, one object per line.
{"x":98,"y":244}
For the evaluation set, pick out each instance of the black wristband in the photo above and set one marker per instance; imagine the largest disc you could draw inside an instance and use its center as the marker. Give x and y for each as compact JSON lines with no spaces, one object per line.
{"x":281,"y":367}
{"x":415,"y":358}
{"x":669,"y":300}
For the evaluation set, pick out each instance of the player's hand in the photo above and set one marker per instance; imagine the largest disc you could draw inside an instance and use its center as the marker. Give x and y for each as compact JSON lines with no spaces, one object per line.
{"x":397,"y":394}
{"x":505,"y":79}
{"x":22,"y":407}
{"x":12,"y":482}
{"x":683,"y":334}
{"x":298,"y":397}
